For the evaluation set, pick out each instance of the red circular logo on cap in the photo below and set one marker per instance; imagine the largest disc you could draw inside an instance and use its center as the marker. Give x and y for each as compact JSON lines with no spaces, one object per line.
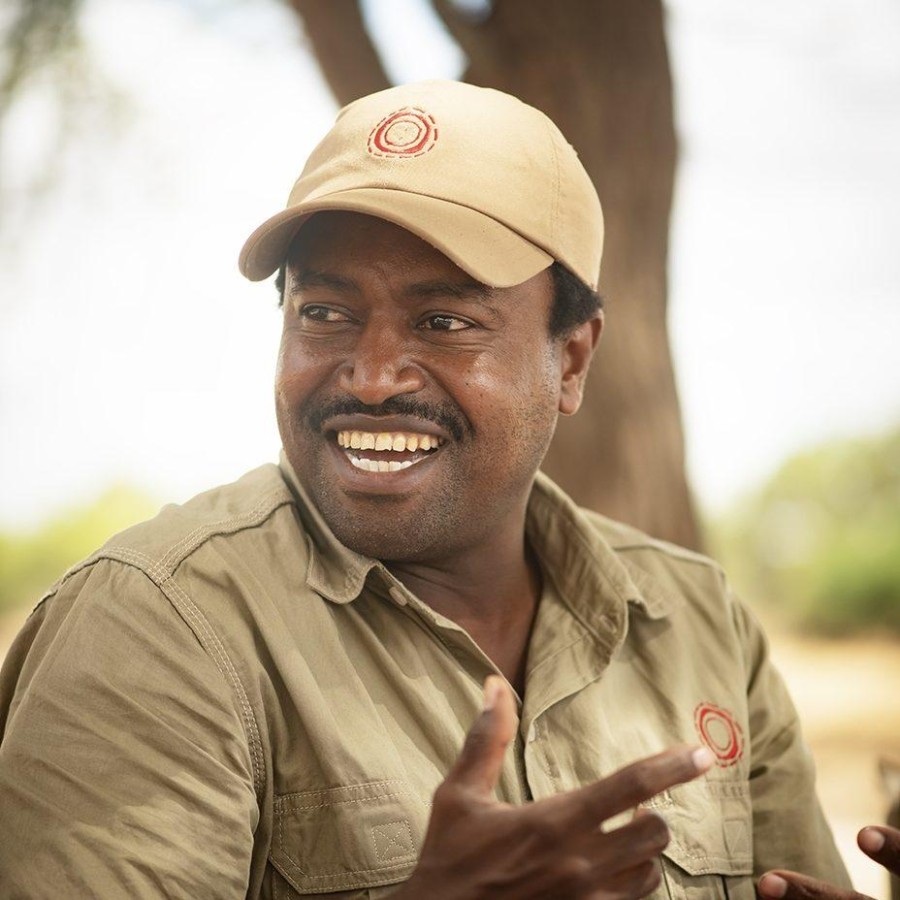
{"x":719,"y":731}
{"x":407,"y":132}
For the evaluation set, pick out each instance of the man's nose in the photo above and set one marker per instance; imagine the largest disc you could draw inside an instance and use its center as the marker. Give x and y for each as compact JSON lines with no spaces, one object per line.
{"x":381,"y":366}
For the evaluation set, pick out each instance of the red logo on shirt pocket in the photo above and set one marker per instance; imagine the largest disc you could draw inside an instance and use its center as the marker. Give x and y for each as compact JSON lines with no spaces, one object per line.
{"x":720,"y":732}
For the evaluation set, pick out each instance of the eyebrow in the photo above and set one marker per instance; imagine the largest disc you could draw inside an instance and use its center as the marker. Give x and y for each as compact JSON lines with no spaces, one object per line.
{"x":310,"y":278}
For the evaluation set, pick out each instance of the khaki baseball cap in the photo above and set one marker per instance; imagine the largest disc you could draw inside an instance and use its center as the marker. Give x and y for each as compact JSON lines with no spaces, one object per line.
{"x":478,"y":174}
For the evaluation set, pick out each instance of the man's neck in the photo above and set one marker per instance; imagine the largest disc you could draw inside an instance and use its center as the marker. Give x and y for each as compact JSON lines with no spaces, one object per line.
{"x":492,"y":591}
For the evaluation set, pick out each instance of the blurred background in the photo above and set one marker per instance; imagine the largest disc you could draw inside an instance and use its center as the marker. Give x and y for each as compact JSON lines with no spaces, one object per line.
{"x":747,"y":395}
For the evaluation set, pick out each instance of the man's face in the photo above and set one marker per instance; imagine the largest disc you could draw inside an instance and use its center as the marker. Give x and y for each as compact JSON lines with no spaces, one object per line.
{"x":414,"y":403}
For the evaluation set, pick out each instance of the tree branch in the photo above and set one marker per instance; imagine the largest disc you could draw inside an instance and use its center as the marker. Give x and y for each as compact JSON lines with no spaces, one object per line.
{"x":342,"y":46}
{"x":473,"y":37}
{"x":39,"y":33}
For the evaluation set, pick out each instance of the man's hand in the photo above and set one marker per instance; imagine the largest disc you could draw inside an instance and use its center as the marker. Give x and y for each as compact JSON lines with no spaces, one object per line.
{"x":877,"y":841}
{"x":478,"y":848}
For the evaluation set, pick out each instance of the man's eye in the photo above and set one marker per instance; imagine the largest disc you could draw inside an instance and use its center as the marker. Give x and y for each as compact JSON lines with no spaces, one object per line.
{"x":321,"y":313}
{"x":445,"y":323}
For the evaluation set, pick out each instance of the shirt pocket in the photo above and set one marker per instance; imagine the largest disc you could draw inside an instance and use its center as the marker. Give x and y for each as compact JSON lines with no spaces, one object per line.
{"x":351,"y":842}
{"x":710,"y":854}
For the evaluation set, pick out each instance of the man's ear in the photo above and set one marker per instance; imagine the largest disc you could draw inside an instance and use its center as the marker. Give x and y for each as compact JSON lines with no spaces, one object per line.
{"x":577,"y":352}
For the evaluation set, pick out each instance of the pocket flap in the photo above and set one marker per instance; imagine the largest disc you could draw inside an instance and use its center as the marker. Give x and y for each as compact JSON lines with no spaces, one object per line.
{"x":711,"y":827}
{"x":348,"y":837}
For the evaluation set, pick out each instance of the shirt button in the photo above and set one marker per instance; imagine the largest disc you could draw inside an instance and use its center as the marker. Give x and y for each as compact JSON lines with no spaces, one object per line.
{"x":532,"y":734}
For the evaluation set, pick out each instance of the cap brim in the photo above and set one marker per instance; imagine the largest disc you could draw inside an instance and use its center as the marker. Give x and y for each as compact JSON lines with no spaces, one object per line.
{"x":485,"y":248}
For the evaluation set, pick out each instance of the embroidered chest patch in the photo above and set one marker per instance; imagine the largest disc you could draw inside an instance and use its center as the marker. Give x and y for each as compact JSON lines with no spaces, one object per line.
{"x":407,"y":132}
{"x":720,"y":732}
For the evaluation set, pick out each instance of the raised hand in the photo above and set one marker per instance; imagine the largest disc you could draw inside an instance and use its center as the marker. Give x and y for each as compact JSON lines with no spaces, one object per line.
{"x":877,"y":841}
{"x":478,"y":848}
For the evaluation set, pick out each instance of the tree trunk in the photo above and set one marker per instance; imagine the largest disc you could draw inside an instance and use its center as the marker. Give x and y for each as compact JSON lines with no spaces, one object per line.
{"x":600,"y":70}
{"x":343,"y":50}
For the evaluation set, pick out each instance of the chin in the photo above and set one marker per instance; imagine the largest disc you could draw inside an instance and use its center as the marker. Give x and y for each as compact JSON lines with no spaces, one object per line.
{"x":389,"y":528}
{"x":389,"y":543}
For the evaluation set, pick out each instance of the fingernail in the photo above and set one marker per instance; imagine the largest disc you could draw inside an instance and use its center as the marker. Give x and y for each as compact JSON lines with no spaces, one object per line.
{"x":870,"y":840}
{"x":773,"y":885}
{"x":491,"y":690}
{"x":702,"y":758}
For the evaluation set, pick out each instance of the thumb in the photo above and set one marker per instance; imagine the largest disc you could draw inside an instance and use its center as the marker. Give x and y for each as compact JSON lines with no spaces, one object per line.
{"x":881,"y":843}
{"x":481,"y":759}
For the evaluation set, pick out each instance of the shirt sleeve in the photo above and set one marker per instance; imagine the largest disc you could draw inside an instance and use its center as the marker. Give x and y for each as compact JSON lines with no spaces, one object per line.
{"x":124,"y":770}
{"x":789,"y":827}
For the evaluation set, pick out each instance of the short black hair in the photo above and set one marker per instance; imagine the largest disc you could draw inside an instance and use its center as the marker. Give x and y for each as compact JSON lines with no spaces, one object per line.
{"x":574,"y":303}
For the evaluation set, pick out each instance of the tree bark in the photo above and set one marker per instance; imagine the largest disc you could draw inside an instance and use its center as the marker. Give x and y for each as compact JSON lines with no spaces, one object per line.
{"x":600,"y":70}
{"x":342,"y":47}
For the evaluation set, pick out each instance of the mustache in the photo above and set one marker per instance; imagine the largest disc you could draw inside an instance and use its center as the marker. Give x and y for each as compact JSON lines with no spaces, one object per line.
{"x":449,"y":417}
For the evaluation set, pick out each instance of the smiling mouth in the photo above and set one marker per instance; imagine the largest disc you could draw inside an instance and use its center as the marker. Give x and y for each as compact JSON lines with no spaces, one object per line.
{"x":386,"y":451}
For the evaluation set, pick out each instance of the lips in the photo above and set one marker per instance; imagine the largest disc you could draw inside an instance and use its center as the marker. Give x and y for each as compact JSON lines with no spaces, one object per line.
{"x":399,"y":414}
{"x":386,"y":451}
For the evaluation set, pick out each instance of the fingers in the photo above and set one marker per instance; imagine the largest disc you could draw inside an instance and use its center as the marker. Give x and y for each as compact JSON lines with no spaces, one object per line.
{"x":638,"y":842}
{"x":882,"y":844}
{"x":624,"y":861}
{"x":481,"y":759}
{"x":637,"y":882}
{"x":877,"y":841}
{"x":791,"y":886}
{"x":590,"y":806}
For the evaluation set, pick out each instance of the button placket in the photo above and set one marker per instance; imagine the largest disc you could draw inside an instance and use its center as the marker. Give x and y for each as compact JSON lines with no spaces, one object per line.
{"x":535,"y":771}
{"x":454,"y":639}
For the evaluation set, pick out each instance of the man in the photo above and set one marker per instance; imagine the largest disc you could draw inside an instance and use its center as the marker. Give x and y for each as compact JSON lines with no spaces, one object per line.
{"x":267,"y":692}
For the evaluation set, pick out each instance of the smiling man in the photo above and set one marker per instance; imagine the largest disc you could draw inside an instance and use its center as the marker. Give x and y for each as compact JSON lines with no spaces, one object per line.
{"x":402,"y":662}
{"x":409,"y":394}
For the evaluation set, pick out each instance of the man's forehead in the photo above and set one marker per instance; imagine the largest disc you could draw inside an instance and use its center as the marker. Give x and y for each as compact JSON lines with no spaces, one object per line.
{"x":301,"y":276}
{"x":331,"y":242}
{"x":342,"y":251}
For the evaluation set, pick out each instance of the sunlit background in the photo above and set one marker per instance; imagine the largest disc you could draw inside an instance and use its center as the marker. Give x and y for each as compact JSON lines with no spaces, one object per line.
{"x":136,"y":363}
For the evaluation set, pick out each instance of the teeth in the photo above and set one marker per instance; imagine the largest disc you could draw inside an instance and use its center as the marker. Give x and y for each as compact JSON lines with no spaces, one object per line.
{"x":379,"y":465}
{"x":397,"y":442}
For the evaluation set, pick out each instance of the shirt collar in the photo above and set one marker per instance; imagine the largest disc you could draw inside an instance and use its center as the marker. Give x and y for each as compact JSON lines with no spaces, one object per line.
{"x":588,"y":573}
{"x":335,"y":571}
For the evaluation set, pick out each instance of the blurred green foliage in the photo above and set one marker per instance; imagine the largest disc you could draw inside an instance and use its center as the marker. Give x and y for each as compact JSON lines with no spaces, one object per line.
{"x":30,"y":563}
{"x":818,"y":546}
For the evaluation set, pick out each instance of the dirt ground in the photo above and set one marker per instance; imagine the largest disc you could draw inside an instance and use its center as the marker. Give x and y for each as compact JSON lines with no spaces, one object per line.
{"x":848,"y":696}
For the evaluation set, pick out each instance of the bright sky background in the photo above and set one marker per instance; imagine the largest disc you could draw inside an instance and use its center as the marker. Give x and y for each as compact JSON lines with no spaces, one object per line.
{"x":131,"y":349}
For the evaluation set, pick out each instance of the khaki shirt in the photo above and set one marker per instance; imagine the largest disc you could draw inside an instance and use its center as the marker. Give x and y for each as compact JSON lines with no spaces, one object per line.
{"x":226,"y":702}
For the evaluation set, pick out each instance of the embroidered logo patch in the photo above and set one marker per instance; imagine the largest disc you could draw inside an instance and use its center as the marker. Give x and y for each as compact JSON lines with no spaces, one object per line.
{"x":407,"y":132}
{"x":719,"y":731}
